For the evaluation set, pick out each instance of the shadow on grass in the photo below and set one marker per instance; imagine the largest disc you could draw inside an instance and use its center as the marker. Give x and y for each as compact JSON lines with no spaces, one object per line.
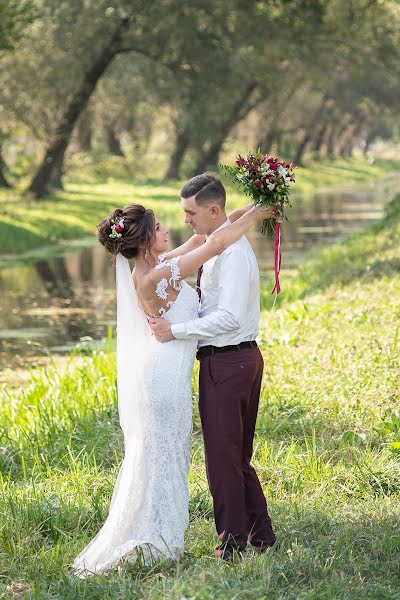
{"x":341,"y":552}
{"x":17,"y":238}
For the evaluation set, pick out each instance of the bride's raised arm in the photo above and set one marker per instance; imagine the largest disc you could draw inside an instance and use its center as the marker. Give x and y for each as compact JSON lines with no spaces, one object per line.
{"x":215,"y":243}
{"x":197,"y":240}
{"x":191,"y":244}
{"x":239,"y":212}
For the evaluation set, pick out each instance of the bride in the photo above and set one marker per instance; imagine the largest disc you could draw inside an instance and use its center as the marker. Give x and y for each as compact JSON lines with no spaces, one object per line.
{"x":149,"y":509}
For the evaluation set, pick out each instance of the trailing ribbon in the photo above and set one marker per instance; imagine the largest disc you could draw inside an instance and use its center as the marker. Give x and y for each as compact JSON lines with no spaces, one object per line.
{"x":278,"y":257}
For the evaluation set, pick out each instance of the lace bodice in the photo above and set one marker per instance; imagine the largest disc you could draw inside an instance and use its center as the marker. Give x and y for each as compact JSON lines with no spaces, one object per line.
{"x":172,"y":282}
{"x":187,"y":298}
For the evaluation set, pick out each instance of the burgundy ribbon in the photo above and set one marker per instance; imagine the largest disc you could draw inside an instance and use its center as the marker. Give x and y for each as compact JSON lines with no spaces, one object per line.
{"x":278,"y":257}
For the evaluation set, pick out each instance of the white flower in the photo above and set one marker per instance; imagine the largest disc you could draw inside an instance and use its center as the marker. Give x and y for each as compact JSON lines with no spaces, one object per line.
{"x":282,"y":170}
{"x":288,"y":180}
{"x":271,"y":186}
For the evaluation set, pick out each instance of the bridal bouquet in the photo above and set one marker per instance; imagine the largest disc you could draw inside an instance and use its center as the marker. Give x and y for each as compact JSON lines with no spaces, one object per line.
{"x":267,"y":181}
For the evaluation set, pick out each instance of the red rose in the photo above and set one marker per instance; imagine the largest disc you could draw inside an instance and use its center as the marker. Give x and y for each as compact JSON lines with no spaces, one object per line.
{"x":257,"y":183}
{"x":119,"y":228}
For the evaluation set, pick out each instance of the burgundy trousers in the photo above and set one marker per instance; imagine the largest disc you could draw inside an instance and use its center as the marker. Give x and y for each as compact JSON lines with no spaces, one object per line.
{"x":229,"y":391}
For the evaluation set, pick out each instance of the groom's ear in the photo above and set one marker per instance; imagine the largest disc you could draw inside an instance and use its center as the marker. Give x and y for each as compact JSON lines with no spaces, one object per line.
{"x":215,"y":210}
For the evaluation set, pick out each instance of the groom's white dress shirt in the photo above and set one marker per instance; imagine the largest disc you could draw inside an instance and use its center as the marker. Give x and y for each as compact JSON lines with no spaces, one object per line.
{"x":230,"y":299}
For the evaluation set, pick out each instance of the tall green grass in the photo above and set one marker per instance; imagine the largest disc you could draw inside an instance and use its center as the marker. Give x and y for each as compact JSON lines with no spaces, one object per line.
{"x":326,"y":449}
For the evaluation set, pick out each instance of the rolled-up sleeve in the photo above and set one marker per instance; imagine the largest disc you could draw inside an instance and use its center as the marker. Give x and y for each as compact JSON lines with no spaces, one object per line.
{"x":233,"y":295}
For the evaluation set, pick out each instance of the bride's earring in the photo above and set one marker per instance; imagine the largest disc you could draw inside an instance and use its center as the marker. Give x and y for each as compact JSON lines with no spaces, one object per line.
{"x":146,"y":254}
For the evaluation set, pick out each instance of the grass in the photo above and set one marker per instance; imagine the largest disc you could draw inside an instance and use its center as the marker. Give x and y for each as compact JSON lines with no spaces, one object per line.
{"x":26,"y":224}
{"x":345,"y":172}
{"x":326,"y":449}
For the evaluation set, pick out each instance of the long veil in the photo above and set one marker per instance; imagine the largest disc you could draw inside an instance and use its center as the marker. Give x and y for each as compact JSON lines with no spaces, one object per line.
{"x":133,"y":344}
{"x":122,"y":532}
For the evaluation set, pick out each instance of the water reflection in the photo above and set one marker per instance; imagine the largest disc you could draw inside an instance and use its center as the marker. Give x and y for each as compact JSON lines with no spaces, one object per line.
{"x":51,"y":303}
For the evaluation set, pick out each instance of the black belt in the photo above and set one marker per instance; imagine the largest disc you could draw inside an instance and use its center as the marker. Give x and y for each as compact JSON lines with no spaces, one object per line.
{"x":210,"y":350}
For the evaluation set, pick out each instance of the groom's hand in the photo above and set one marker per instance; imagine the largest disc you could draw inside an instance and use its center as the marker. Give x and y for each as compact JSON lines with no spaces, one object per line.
{"x":161,"y":329}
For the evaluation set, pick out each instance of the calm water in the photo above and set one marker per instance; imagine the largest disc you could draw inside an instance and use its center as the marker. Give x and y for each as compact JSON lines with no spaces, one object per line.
{"x":50,"y":303}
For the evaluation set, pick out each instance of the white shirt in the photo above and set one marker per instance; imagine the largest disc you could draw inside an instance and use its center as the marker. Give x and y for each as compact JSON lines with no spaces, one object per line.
{"x":230,"y":298}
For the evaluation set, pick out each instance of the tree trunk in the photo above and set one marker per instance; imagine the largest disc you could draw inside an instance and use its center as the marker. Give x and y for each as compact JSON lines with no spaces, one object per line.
{"x":57,"y":174}
{"x":348,"y":142}
{"x":308,"y":133}
{"x":3,"y":180}
{"x":345,"y":138}
{"x":301,"y":148}
{"x":209,"y":157}
{"x":181,"y":145}
{"x":370,"y":138}
{"x":323,"y":150}
{"x":277,"y":107}
{"x":82,"y":137}
{"x":112,"y":141}
{"x":58,"y":142}
{"x":240,"y":109}
{"x":278,"y":143}
{"x":319,"y":140}
{"x":333,"y":136}
{"x":336,"y":136}
{"x":266,"y":142}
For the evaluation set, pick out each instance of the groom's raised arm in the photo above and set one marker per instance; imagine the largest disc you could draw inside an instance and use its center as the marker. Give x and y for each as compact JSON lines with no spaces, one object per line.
{"x":233,"y":295}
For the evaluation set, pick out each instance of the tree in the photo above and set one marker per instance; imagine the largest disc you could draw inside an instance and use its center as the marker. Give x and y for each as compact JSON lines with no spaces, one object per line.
{"x":126,"y":33}
{"x":14,"y":17}
{"x":59,"y":140}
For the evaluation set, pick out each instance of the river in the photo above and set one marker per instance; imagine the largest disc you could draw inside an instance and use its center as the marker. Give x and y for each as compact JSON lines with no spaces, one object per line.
{"x":55,"y":298}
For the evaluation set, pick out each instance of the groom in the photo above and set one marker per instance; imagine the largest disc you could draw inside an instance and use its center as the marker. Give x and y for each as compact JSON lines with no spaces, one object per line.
{"x":231,"y":370}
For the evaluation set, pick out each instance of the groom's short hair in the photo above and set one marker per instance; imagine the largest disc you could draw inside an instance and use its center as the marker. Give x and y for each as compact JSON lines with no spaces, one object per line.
{"x":206,"y":188}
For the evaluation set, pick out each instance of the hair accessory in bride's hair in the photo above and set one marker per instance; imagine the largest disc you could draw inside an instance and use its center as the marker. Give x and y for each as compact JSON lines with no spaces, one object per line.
{"x":117,"y":227}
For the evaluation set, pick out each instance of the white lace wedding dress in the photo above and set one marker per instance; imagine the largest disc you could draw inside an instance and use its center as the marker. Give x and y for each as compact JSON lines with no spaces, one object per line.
{"x":149,"y":509}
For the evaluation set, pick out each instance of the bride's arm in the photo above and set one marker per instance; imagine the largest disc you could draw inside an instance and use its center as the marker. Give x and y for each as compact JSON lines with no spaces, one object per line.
{"x":197,"y":240}
{"x":193,"y":242}
{"x":216,"y":243}
{"x":239,"y":212}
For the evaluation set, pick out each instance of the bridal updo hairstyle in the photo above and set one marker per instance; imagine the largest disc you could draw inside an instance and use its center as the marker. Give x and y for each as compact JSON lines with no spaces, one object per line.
{"x":139,"y":230}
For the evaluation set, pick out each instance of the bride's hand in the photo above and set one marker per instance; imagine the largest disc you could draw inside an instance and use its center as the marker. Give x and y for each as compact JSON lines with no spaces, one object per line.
{"x":261,"y":213}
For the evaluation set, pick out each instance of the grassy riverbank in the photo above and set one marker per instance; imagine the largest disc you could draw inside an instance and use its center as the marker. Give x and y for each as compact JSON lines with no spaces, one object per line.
{"x":26,"y":224}
{"x":327,"y":451}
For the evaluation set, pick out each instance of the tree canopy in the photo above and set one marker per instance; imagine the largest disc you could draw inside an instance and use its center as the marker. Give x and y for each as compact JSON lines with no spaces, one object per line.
{"x":315,"y":77}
